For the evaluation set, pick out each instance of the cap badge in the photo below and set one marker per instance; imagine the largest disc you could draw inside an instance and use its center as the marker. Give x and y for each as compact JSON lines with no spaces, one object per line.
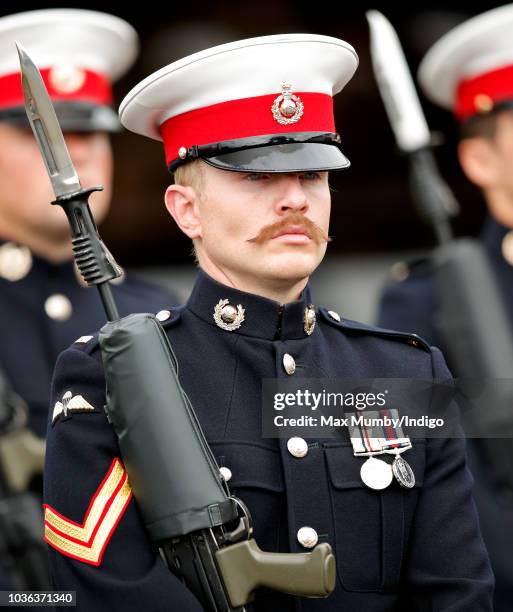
{"x":228,"y":317}
{"x":287,"y":108}
{"x":309,"y":319}
{"x":483,"y":103}
{"x":66,"y":78}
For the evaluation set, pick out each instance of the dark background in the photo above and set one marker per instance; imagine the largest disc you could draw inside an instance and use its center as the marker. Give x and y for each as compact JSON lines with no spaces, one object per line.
{"x":372,"y":208}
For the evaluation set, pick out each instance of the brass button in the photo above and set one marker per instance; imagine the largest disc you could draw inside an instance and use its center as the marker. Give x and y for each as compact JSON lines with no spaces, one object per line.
{"x":289,"y":365}
{"x":297,"y":447}
{"x":163,"y":315}
{"x":226,"y":473}
{"x":307,"y":537}
{"x":507,"y":247}
{"x":58,"y":307}
{"x":15,"y":261}
{"x":400,"y":271}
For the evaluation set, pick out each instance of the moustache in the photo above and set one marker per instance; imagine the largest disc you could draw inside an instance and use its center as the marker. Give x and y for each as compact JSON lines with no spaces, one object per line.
{"x":313,"y":231}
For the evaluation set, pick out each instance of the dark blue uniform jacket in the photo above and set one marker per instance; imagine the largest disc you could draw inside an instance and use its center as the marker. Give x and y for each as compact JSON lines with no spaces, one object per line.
{"x":396,"y":549}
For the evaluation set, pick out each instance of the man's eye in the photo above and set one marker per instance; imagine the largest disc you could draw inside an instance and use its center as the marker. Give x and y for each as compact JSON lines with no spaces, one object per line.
{"x":310,"y":176}
{"x":257,"y":176}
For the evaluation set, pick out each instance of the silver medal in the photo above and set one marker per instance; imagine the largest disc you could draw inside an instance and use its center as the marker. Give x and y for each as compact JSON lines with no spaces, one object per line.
{"x":376,"y":474}
{"x":403,"y":472}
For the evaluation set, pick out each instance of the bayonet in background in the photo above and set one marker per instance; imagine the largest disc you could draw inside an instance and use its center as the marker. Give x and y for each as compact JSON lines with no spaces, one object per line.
{"x":94,"y":260}
{"x":434,"y":200}
{"x":396,"y":85}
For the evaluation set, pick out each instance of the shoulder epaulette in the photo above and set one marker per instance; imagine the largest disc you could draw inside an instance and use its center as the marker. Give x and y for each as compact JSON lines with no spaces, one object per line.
{"x":347,"y":325}
{"x":167,"y":318}
{"x":86,"y":344}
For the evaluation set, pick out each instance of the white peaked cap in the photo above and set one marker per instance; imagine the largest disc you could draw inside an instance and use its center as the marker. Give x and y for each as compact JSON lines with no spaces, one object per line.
{"x":80,"y":53}
{"x":470,"y":69}
{"x":88,"y":39}
{"x":228,"y":93}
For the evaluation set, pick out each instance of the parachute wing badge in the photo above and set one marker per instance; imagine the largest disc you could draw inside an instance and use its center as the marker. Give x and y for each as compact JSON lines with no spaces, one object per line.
{"x":70,"y":403}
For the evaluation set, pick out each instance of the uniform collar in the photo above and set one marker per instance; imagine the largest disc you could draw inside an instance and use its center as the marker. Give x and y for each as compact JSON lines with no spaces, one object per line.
{"x":263,"y":318}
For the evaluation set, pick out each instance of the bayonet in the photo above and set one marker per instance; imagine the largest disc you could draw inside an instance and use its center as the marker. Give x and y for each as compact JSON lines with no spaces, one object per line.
{"x":432,"y":195}
{"x":95,"y":262}
{"x":396,"y":85}
{"x":46,"y":128}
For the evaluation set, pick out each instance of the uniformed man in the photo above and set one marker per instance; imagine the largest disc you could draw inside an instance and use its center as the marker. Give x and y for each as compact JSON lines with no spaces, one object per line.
{"x":249,"y":134}
{"x":43,"y":308}
{"x":470,"y":71}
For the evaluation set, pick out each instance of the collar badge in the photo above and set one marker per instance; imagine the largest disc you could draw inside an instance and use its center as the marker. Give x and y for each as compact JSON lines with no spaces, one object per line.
{"x":309,"y":319}
{"x":228,"y":317}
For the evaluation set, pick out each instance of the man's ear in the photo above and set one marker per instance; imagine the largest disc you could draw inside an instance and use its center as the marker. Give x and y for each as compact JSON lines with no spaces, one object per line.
{"x":478,"y":159}
{"x":182,"y":205}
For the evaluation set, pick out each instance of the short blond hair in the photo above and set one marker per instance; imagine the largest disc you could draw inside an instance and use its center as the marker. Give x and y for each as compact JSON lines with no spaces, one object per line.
{"x":190,"y":175}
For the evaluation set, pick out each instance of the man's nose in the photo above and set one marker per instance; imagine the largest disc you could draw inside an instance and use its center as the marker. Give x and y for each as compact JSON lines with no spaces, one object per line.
{"x":293,"y":197}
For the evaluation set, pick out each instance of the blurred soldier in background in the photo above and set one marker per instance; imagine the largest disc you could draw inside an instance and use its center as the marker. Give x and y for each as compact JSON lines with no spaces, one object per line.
{"x":470,"y":71}
{"x":43,"y":306}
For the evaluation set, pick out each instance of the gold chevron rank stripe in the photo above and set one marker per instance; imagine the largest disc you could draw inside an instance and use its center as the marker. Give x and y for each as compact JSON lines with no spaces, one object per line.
{"x":87,"y":542}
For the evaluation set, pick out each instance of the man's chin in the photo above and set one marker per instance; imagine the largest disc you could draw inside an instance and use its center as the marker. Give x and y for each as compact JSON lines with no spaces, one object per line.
{"x":292,"y":268}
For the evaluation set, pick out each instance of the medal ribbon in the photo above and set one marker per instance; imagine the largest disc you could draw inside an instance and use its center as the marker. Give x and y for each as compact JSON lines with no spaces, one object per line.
{"x":394,"y":439}
{"x":364,"y":444}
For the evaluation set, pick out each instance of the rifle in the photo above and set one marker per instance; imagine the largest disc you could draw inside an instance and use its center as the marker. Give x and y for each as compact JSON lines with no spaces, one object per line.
{"x":202,"y":531}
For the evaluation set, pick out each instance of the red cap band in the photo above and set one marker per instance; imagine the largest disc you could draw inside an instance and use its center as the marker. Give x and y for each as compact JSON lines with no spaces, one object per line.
{"x":245,"y":118}
{"x":81,"y":86}
{"x":481,"y":93}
